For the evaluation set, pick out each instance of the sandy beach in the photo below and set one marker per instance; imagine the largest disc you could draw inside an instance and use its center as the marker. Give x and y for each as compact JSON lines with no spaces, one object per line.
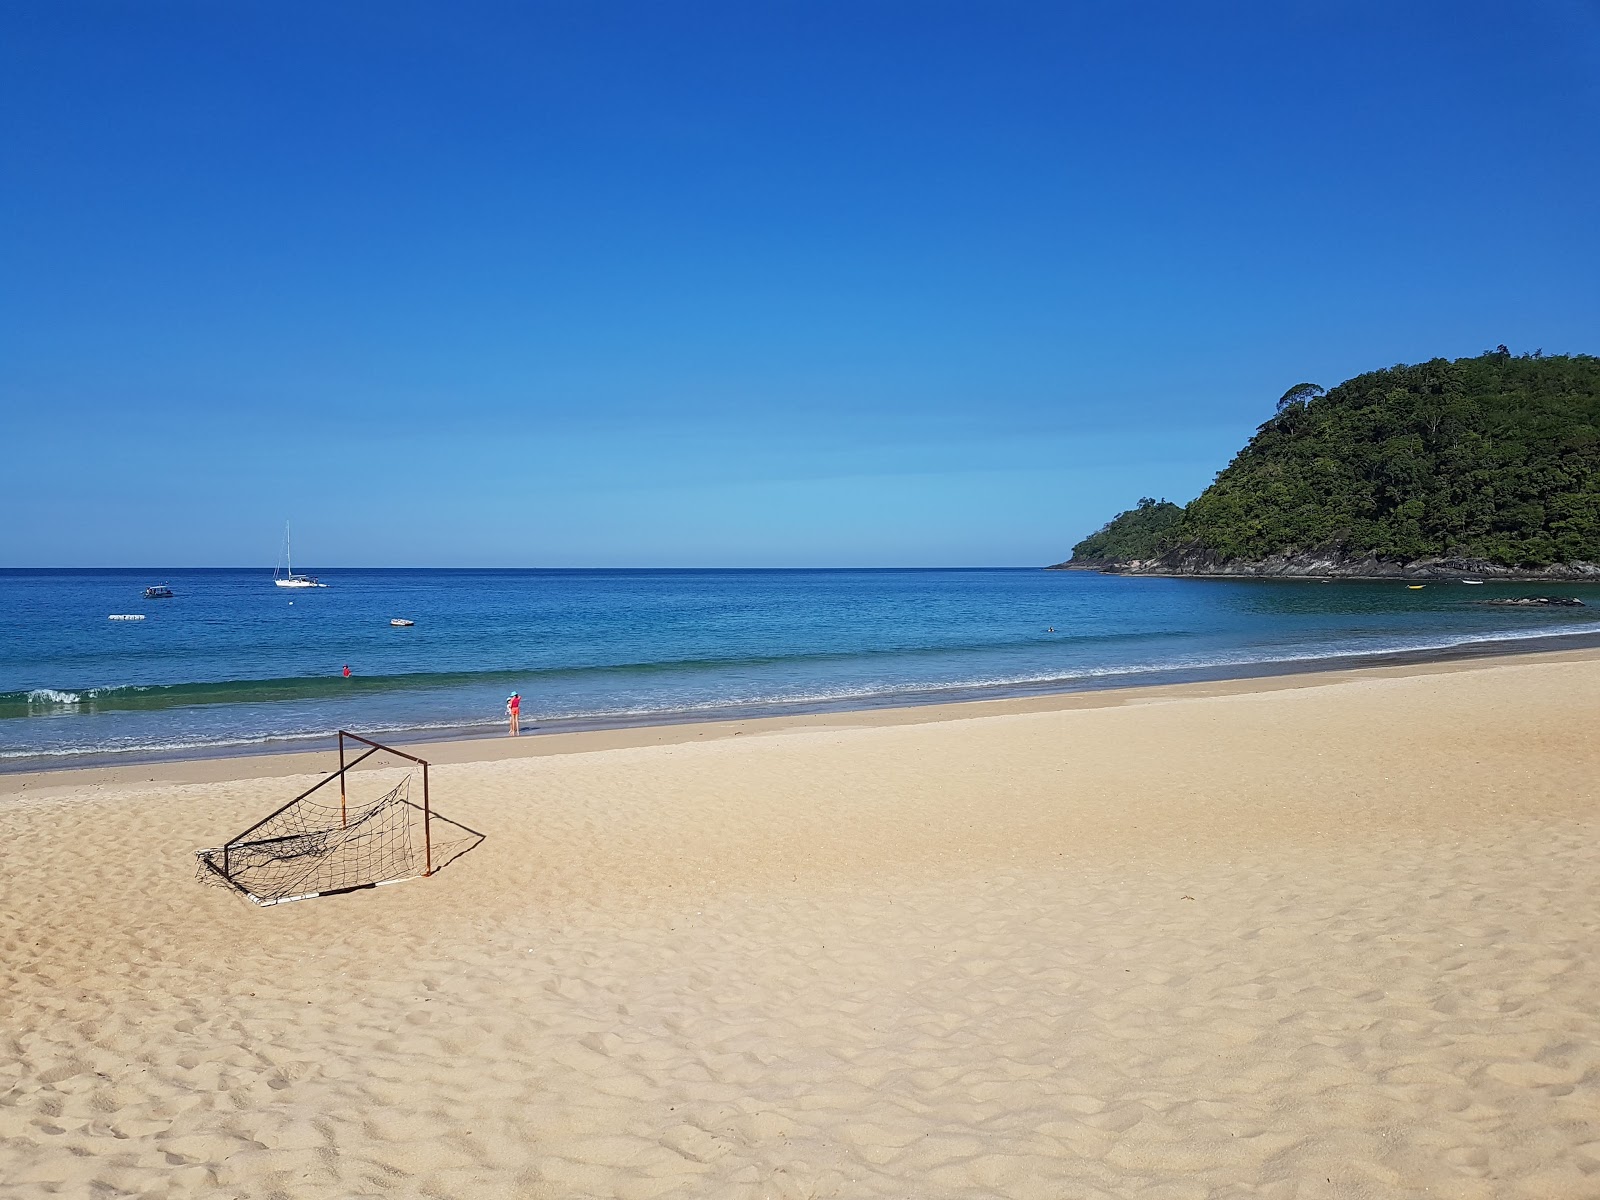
{"x":1311,"y":936}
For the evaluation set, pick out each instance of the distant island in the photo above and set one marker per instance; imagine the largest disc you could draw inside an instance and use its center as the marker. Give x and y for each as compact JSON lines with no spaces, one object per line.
{"x":1486,"y":466}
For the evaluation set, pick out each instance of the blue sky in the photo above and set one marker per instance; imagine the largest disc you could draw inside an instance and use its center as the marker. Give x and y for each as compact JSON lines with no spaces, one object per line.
{"x":740,"y":284}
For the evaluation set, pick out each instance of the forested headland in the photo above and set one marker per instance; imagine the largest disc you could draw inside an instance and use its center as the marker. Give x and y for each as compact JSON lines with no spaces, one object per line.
{"x":1488,"y":464}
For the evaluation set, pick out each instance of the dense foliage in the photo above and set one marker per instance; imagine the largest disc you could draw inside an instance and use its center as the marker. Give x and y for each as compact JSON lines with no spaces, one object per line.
{"x":1140,"y":532}
{"x":1495,"y":457}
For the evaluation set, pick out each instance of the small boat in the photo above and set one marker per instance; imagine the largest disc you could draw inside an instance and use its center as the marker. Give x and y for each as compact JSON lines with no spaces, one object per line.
{"x":159,"y":592}
{"x":1415,"y":587}
{"x":126,"y":617}
{"x":1474,"y":582}
{"x":291,"y":580}
{"x":400,"y":622}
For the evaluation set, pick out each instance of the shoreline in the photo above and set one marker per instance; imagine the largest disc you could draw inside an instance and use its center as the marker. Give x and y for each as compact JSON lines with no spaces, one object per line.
{"x":123,"y":713}
{"x":235,"y":763}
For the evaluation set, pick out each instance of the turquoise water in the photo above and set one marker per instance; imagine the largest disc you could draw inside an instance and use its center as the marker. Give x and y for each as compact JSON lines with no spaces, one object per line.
{"x":232,"y":661}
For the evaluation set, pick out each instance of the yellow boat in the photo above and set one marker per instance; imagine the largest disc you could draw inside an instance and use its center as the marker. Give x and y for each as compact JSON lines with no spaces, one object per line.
{"x":1416,"y":587}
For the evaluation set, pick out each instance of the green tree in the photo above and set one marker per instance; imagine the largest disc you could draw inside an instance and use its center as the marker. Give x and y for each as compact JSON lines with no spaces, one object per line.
{"x":1138,"y":533}
{"x":1300,"y":395}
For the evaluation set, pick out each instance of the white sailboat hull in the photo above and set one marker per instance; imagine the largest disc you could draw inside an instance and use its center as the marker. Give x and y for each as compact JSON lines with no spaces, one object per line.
{"x":298,"y":583}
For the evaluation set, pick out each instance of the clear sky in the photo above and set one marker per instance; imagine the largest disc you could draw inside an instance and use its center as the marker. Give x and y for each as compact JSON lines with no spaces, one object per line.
{"x":697,"y":284}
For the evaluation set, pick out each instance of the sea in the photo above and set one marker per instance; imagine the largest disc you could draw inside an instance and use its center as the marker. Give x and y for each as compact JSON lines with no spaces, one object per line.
{"x":233,"y":664}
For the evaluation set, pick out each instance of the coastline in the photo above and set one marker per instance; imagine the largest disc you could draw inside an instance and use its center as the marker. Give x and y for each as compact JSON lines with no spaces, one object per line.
{"x":748,"y":647}
{"x":233,"y":763}
{"x":1310,"y":568}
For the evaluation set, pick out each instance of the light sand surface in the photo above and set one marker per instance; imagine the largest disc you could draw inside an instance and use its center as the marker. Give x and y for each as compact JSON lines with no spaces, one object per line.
{"x":1333,"y":937}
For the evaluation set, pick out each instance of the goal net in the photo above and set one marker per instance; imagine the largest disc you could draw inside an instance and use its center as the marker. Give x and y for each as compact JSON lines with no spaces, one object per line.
{"x":325,"y":840}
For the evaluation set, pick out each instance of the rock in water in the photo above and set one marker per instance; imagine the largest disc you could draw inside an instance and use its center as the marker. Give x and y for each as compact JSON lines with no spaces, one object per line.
{"x":1538,"y":601}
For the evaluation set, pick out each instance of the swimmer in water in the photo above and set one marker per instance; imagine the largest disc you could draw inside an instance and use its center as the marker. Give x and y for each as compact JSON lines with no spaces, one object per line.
{"x":347,"y":670}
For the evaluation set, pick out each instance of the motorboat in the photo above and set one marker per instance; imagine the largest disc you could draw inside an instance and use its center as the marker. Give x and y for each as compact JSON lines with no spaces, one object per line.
{"x":400,"y":622}
{"x":159,"y":591}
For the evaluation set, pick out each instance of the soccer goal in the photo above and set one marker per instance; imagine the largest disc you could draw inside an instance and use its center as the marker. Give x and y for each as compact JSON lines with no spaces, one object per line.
{"x":320,"y":843}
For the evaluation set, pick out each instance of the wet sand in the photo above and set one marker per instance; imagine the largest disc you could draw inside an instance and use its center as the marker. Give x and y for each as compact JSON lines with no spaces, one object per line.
{"x":1329,"y":935}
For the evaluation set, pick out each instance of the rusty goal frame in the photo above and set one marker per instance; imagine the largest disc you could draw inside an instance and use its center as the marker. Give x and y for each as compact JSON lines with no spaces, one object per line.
{"x":217,"y":862}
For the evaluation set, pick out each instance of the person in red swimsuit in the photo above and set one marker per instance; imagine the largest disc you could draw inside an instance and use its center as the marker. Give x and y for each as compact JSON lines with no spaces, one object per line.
{"x":514,"y":712}
{"x":347,"y":670}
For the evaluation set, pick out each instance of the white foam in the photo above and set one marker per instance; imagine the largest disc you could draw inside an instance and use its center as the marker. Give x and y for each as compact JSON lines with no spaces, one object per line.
{"x":43,"y":696}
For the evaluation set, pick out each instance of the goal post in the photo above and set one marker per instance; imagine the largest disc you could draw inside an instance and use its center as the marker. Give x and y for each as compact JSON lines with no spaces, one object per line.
{"x":427,"y":808}
{"x":308,"y":847}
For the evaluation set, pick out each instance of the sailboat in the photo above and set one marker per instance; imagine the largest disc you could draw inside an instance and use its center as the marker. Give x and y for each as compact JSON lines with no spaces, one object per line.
{"x":291,"y":580}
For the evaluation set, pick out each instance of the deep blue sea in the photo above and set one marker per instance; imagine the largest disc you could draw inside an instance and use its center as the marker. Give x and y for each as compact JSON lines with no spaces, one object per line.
{"x":232,"y":662}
